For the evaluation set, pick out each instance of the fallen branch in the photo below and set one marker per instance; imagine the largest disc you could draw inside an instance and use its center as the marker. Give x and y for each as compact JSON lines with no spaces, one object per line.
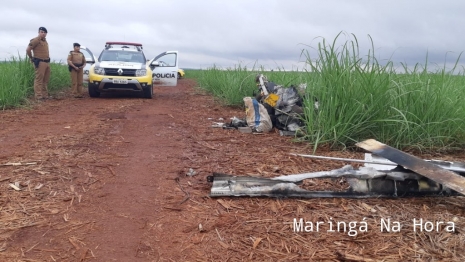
{"x":74,"y":244}
{"x":111,"y":170}
{"x":84,"y":254}
{"x":31,"y":248}
{"x":174,"y":208}
{"x":19,"y":164}
{"x":187,"y":193}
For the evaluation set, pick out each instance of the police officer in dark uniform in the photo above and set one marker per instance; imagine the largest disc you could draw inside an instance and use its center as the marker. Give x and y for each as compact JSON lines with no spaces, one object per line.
{"x":76,"y":64}
{"x":38,"y":53}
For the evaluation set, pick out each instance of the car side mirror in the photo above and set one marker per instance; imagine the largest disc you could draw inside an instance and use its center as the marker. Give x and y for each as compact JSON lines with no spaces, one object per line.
{"x":155,"y":63}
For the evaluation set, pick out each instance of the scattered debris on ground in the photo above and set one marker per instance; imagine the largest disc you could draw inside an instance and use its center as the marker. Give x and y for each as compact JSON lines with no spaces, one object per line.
{"x":274,"y":106}
{"x":411,"y":177}
{"x":123,"y":169}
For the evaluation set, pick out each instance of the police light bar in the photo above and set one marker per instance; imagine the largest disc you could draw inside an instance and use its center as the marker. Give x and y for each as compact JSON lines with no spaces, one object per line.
{"x":137,"y":45}
{"x":123,"y":43}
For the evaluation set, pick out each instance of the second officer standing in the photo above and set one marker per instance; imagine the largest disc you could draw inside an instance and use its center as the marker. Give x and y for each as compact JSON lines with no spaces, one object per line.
{"x":76,"y":64}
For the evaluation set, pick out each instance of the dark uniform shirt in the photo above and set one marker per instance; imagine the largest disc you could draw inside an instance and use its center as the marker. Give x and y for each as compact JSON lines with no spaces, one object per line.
{"x":39,"y":47}
{"x":77,"y":58}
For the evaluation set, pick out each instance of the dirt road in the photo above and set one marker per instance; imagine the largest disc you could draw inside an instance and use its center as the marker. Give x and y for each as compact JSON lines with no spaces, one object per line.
{"x":105,"y":180}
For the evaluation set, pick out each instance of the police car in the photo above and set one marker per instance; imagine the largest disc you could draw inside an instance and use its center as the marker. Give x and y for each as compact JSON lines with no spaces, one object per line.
{"x":122,"y":66}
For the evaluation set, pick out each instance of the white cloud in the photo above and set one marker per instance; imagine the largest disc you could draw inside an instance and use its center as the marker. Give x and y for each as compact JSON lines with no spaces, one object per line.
{"x":230,"y":32}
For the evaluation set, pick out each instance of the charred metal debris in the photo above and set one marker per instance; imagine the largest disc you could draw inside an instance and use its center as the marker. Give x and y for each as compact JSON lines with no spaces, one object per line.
{"x":387,"y":173}
{"x":273,"y":106}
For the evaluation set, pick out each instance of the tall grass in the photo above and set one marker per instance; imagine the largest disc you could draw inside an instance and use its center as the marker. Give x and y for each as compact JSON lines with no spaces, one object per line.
{"x":361,"y":98}
{"x":17,"y":80}
{"x":59,"y":77}
{"x":231,"y":85}
{"x":351,"y":93}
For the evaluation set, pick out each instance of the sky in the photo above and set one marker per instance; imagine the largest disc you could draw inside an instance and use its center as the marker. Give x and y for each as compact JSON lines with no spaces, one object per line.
{"x":271,"y":34}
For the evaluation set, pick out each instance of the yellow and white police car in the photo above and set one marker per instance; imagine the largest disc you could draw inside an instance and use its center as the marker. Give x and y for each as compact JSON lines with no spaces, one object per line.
{"x":122,"y":66}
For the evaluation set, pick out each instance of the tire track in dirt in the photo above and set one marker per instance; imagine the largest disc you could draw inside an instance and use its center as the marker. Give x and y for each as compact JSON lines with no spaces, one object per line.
{"x":128,"y":147}
{"x":133,"y":200}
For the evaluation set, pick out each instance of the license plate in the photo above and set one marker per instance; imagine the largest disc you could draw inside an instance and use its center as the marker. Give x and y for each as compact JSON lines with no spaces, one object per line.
{"x":120,"y":81}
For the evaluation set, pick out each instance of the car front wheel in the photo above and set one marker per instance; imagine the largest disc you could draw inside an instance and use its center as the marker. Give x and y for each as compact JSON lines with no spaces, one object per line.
{"x":148,"y":91}
{"x":93,"y":91}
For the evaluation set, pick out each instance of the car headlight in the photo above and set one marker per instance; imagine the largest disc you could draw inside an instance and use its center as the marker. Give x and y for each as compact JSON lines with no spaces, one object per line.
{"x":141,"y":72}
{"x":99,"y":70}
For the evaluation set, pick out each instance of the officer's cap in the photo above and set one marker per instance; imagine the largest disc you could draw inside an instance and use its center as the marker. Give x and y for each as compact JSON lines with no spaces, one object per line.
{"x":43,"y":29}
{"x":76,"y":44}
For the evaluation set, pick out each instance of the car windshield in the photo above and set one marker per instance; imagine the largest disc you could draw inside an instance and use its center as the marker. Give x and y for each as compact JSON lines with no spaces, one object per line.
{"x":122,"y":56}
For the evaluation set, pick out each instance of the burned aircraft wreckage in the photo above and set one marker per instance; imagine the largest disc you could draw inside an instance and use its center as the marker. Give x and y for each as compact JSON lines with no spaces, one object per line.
{"x":273,"y":106}
{"x":389,"y":173}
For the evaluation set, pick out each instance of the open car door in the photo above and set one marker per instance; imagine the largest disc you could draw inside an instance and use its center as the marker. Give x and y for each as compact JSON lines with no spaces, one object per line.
{"x":90,"y":59}
{"x":165,"y":69}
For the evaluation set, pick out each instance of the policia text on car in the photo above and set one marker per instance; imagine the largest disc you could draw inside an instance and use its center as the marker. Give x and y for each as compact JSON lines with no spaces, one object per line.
{"x":38,"y":53}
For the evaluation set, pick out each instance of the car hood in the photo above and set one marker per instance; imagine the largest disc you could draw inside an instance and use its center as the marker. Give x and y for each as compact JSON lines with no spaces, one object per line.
{"x":126,"y":65}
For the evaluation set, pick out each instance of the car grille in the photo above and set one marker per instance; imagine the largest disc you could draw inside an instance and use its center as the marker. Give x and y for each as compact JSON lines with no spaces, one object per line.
{"x":114,"y":72}
{"x":120,"y":86}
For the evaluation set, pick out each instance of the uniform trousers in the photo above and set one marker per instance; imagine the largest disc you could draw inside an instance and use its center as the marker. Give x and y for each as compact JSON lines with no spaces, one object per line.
{"x":76,"y":81}
{"x":42,"y":77}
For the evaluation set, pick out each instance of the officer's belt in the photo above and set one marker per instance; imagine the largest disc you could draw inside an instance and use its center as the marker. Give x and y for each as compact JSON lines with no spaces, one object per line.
{"x":41,"y":60}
